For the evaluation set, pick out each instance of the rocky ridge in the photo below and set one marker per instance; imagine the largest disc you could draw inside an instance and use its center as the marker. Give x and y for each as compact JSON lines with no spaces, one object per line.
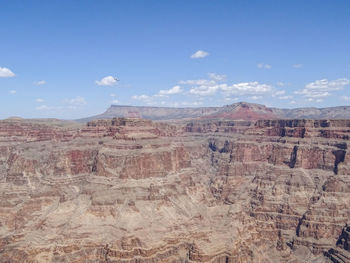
{"x":132,"y":190}
{"x":235,"y":111}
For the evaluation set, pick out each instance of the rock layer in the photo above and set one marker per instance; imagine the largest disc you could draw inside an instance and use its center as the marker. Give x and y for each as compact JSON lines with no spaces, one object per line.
{"x":130,"y":190}
{"x":235,"y":111}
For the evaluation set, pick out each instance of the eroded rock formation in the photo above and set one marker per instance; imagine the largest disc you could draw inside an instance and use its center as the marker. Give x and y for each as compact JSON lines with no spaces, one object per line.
{"x":130,"y":190}
{"x":235,"y":111}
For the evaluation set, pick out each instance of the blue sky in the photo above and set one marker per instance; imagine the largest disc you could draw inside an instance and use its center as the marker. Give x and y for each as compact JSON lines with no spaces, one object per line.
{"x":57,"y":58}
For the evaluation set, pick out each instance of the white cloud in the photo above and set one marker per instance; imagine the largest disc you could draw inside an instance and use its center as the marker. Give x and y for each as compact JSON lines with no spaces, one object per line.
{"x":217,"y":77}
{"x":322,"y":88}
{"x":204,"y":90}
{"x":115,"y":101}
{"x":69,"y":105}
{"x":285,"y":97}
{"x":209,"y":87}
{"x":113,"y":95}
{"x":346,"y":98}
{"x":200,"y":54}
{"x":107,"y":81}
{"x":230,"y":99}
{"x":214,"y":78}
{"x":161,"y":94}
{"x":214,"y":84}
{"x":293,"y":102}
{"x":141,"y":97}
{"x":39,"y":83}
{"x":13,"y":91}
{"x":278,"y":93}
{"x":77,"y":101}
{"x":148,"y":99}
{"x":314,"y":100}
{"x":6,"y":73}
{"x":172,"y":91}
{"x":191,"y":104}
{"x":264,"y":66}
{"x":158,"y":95}
{"x":243,"y":88}
{"x":197,"y":82}
{"x":255,"y":97}
{"x":280,"y":84}
{"x":248,"y":88}
{"x":297,"y":65}
{"x":43,"y":107}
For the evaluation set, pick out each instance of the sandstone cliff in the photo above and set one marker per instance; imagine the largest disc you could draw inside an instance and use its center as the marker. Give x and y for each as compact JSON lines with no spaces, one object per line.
{"x":130,"y":190}
{"x":235,"y":111}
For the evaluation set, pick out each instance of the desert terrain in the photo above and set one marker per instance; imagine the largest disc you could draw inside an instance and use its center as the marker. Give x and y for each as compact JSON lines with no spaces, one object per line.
{"x":198,"y":190}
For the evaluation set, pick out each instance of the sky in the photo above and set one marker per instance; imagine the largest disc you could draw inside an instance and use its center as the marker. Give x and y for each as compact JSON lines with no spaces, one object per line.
{"x":59,"y":59}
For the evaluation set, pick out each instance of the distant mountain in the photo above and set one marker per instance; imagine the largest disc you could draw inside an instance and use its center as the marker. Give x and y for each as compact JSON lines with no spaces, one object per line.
{"x":340,"y":112}
{"x":154,"y":113}
{"x":236,"y":111}
{"x":243,"y":111}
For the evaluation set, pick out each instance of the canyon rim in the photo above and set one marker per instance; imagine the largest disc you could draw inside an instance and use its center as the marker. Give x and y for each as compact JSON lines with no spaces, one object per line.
{"x":199,"y":190}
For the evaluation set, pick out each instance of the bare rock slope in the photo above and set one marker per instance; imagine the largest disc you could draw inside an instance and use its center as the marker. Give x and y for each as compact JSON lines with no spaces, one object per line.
{"x":131,"y":190}
{"x":236,"y":111}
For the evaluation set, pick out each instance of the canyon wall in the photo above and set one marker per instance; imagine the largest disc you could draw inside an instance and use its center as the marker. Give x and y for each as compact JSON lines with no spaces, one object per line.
{"x":130,"y":190}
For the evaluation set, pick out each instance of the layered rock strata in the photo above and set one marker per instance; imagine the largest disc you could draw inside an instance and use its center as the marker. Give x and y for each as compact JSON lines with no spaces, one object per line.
{"x":130,"y":190}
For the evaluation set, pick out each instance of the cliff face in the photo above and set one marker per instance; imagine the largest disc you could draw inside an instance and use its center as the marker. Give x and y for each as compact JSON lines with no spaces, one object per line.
{"x":235,"y":111}
{"x":129,"y":190}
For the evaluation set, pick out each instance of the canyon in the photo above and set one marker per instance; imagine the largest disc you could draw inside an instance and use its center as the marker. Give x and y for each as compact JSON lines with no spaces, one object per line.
{"x":223,"y":190}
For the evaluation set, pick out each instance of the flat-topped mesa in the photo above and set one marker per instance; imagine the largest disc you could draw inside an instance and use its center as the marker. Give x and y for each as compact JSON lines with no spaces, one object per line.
{"x":235,"y":111}
{"x":243,"y":111}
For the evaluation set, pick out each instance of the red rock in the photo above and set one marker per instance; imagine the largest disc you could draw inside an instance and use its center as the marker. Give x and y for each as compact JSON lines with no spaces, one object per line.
{"x":131,"y":190}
